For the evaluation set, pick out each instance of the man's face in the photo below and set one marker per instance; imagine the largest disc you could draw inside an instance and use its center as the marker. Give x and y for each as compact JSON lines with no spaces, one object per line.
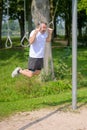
{"x":43,"y":28}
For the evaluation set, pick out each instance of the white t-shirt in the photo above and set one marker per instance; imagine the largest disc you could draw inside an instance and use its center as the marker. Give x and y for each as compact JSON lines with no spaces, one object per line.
{"x":37,"y":48}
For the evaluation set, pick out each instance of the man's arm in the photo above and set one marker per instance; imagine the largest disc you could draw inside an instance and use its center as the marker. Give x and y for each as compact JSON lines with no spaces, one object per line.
{"x":50,"y":31}
{"x":33,"y":37}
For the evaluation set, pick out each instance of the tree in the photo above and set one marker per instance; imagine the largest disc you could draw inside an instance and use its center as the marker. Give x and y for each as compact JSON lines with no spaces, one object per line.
{"x":82,"y":21}
{"x":21,"y":11}
{"x":54,"y":4}
{"x":82,"y":16}
{"x":82,"y":5}
{"x":40,"y":12}
{"x":65,"y":12}
{"x":30,"y":27}
{"x":1,"y":10}
{"x":20,"y":16}
{"x":16,"y":11}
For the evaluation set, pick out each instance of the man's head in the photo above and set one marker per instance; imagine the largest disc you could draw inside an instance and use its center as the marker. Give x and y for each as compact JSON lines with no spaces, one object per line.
{"x":43,"y":27}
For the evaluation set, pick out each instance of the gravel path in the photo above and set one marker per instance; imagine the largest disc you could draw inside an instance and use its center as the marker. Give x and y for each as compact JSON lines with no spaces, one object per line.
{"x":47,"y":119}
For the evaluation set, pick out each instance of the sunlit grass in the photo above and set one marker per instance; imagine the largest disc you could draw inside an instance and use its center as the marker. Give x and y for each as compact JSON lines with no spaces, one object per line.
{"x":23,"y":94}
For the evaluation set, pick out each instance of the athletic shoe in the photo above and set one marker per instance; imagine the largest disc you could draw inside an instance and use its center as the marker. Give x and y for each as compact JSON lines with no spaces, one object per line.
{"x":15,"y":72}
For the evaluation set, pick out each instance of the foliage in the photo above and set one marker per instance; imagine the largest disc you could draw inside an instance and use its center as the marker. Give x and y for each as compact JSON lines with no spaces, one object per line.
{"x":82,"y":40}
{"x":82,"y":5}
{"x":14,"y":28}
{"x":62,"y":69}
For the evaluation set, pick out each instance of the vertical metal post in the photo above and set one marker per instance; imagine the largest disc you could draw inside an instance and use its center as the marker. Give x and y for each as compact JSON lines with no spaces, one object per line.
{"x":74,"y":54}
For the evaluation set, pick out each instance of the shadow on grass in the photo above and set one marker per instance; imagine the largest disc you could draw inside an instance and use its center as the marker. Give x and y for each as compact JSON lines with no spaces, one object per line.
{"x":15,"y":53}
{"x":55,"y":103}
{"x":82,"y":101}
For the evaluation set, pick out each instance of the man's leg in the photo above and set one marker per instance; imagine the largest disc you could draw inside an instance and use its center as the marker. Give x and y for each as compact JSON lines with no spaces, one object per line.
{"x":34,"y":64}
{"x":25,"y":72}
{"x":29,"y":73}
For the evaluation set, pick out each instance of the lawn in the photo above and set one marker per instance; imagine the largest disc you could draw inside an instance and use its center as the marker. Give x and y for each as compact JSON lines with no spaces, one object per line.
{"x":24,"y":94}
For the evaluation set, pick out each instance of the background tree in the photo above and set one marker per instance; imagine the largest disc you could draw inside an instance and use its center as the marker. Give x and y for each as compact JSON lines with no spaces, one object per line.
{"x":82,"y":18}
{"x":1,"y":10}
{"x":29,"y":16}
{"x":20,"y":15}
{"x":54,"y":4}
{"x":82,"y":21}
{"x":82,"y":5}
{"x":16,"y":12}
{"x":65,"y":9}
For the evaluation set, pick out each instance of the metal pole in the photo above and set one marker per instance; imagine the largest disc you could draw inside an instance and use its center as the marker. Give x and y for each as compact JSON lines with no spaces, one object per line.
{"x":74,"y":54}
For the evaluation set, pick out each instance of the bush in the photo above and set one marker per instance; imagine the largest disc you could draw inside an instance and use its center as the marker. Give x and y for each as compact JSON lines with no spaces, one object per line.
{"x":47,"y":88}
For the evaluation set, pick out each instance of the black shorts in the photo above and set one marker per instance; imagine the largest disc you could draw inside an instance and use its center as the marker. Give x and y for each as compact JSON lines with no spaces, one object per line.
{"x":35,"y":64}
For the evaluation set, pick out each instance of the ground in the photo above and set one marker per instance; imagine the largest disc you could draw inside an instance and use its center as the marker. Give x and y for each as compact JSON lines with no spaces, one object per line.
{"x":48,"y":119}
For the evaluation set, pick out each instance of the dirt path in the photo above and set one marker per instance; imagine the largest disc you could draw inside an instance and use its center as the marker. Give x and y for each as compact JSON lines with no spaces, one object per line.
{"x":47,"y":119}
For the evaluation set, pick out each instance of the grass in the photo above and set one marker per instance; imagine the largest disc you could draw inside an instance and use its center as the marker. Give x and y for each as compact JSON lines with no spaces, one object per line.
{"x":7,"y":108}
{"x":24,"y":94}
{"x":64,"y":98}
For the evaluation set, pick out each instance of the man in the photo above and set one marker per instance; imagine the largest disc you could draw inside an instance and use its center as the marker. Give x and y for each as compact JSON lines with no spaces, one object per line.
{"x":37,"y":40}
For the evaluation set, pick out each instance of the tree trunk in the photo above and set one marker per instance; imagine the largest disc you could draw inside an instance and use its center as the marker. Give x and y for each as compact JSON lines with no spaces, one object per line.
{"x":1,"y":10}
{"x":68,"y":28}
{"x":30,"y":22}
{"x":52,"y":15}
{"x":21,"y":23}
{"x":55,"y":28}
{"x":69,"y":25}
{"x":29,"y":16}
{"x":68,"y":33}
{"x":40,"y":12}
{"x":80,"y":32}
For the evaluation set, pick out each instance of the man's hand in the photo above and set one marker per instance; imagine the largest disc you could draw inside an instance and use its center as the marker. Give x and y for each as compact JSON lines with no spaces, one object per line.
{"x":33,"y":37}
{"x":50,"y":30}
{"x":37,"y":30}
